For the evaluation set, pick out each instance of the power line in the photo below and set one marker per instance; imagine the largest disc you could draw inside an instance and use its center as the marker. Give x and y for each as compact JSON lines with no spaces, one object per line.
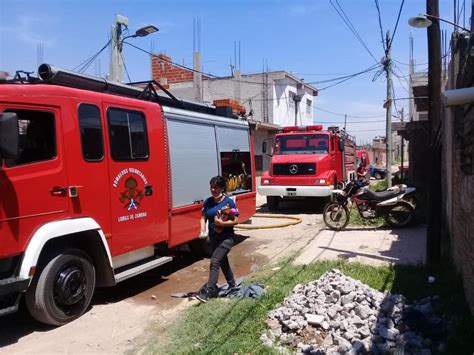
{"x":341,"y":114}
{"x":352,"y":122}
{"x":366,"y":130}
{"x":322,"y":74}
{"x":396,"y":24}
{"x":125,"y":67}
{"x":85,"y":64}
{"x":340,"y":79}
{"x":380,"y":25}
{"x":349,"y":24}
{"x":350,"y":77}
{"x":417,"y":64}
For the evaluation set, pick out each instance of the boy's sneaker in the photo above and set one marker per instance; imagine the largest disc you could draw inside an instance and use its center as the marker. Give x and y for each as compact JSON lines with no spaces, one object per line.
{"x":203,"y":295}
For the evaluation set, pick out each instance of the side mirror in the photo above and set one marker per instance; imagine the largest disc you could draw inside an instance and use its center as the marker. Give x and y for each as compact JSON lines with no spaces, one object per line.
{"x":341,"y":145}
{"x":9,"y":136}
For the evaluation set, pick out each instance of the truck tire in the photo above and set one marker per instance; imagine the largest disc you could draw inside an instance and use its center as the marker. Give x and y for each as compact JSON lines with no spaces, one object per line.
{"x":62,"y":290}
{"x":201,"y":247}
{"x":272,"y":202}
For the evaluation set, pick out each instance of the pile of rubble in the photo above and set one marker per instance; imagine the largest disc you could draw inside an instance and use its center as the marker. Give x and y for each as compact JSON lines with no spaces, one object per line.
{"x":337,"y":314}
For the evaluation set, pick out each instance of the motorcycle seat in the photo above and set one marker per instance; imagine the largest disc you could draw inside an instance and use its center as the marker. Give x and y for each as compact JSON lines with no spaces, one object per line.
{"x":380,"y":196}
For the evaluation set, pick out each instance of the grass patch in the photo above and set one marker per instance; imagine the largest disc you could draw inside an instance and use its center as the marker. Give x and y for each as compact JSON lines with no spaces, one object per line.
{"x":235,"y":326}
{"x":357,"y":220}
{"x":380,"y":185}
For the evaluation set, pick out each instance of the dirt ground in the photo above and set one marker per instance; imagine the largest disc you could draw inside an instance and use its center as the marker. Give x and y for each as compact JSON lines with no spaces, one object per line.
{"x":123,"y":319}
{"x":119,"y":317}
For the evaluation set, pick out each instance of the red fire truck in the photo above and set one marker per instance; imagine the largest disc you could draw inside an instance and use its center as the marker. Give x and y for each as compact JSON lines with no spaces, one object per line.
{"x":99,"y":181}
{"x":308,"y":162}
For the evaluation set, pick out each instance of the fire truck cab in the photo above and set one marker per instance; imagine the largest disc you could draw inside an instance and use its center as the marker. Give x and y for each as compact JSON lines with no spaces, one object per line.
{"x":307,"y":162}
{"x":99,"y":181}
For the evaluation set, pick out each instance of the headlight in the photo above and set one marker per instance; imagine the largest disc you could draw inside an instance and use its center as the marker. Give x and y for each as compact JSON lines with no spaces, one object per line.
{"x":267,"y":181}
{"x":320,"y":181}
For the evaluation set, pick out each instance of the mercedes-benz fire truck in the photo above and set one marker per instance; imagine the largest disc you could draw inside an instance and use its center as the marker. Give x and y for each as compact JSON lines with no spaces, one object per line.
{"x":308,"y":162}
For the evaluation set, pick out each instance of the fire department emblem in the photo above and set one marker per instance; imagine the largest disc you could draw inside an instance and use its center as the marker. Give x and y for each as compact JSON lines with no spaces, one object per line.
{"x":293,"y":168}
{"x":132,"y":196}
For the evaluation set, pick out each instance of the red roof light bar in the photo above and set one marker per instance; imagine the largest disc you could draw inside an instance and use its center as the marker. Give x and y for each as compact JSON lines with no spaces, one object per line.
{"x":302,"y":128}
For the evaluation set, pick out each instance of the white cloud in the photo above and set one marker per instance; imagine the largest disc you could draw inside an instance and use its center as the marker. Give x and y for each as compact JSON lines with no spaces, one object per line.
{"x":300,"y":10}
{"x":29,"y":30}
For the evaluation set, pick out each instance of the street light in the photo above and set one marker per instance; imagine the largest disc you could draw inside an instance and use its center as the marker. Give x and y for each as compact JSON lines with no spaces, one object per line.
{"x":116,"y":61}
{"x":423,"y":21}
{"x":142,"y":32}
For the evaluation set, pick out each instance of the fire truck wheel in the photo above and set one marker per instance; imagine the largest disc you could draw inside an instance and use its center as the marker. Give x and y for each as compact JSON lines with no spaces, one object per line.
{"x":63,"y":289}
{"x":272,"y":202}
{"x":201,"y":247}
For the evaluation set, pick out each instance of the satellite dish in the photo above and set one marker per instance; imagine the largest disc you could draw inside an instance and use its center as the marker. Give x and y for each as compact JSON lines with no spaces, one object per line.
{"x":420,"y":21}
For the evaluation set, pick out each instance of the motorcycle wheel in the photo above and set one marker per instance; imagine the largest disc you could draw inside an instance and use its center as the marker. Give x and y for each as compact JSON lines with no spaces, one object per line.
{"x":399,"y":215}
{"x":335,"y":216}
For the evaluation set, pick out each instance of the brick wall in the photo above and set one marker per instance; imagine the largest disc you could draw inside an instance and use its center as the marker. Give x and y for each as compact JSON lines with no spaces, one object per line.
{"x":462,"y":234}
{"x":460,"y":145}
{"x":165,"y":72}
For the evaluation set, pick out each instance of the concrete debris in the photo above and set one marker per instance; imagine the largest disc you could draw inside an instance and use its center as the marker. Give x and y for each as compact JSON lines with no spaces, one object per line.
{"x":337,"y":314}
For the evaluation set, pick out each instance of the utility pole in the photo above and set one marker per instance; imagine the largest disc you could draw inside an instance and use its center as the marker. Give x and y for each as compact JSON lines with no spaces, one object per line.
{"x":388,"y":105}
{"x":297,"y":98}
{"x":116,"y":61}
{"x":402,"y":148}
{"x":433,"y":239}
{"x":197,"y":74}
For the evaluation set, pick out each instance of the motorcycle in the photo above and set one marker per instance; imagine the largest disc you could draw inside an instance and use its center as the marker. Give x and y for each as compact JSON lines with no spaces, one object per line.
{"x":393,"y":205}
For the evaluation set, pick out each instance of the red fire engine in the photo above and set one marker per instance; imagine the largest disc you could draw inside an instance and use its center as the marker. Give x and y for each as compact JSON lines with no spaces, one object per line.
{"x":99,"y":181}
{"x":308,"y":162}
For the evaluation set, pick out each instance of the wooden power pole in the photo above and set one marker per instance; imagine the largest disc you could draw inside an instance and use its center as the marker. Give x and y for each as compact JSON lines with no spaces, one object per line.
{"x":433,"y":239}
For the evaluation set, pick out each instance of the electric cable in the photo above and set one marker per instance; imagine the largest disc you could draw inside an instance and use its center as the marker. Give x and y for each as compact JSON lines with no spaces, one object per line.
{"x":125,"y":67}
{"x":380,"y":25}
{"x":350,"y":122}
{"x":415,"y":64}
{"x":341,"y":114}
{"x":86,"y":63}
{"x":396,"y":25}
{"x":351,"y":27}
{"x":287,"y":97}
{"x":171,"y":62}
{"x":342,"y":78}
{"x":351,"y":77}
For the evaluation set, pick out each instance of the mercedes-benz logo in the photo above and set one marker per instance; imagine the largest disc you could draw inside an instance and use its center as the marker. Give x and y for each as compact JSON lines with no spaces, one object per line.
{"x":293,"y":169}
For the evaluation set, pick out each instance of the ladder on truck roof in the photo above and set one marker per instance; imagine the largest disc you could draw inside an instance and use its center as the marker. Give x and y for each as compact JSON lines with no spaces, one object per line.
{"x":56,"y":76}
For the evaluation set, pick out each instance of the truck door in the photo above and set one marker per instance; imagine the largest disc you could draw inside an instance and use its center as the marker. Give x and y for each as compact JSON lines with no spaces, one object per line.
{"x":33,"y":187}
{"x":133,"y":179}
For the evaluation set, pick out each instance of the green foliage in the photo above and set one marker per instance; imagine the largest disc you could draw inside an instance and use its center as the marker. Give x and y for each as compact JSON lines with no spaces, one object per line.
{"x":380,"y":185}
{"x":234,"y":326}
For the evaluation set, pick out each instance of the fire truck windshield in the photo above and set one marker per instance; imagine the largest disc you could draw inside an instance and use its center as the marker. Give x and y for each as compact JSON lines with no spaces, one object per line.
{"x":302,"y":144}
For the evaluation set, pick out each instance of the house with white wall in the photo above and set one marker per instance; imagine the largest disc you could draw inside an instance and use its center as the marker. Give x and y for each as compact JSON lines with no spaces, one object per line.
{"x":272,"y":99}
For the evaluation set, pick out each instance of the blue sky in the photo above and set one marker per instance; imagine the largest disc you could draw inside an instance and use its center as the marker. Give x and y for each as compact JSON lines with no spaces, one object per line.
{"x":307,"y":38}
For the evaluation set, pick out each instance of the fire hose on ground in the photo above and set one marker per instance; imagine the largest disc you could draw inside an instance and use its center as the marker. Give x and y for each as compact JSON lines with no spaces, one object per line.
{"x":293,"y":220}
